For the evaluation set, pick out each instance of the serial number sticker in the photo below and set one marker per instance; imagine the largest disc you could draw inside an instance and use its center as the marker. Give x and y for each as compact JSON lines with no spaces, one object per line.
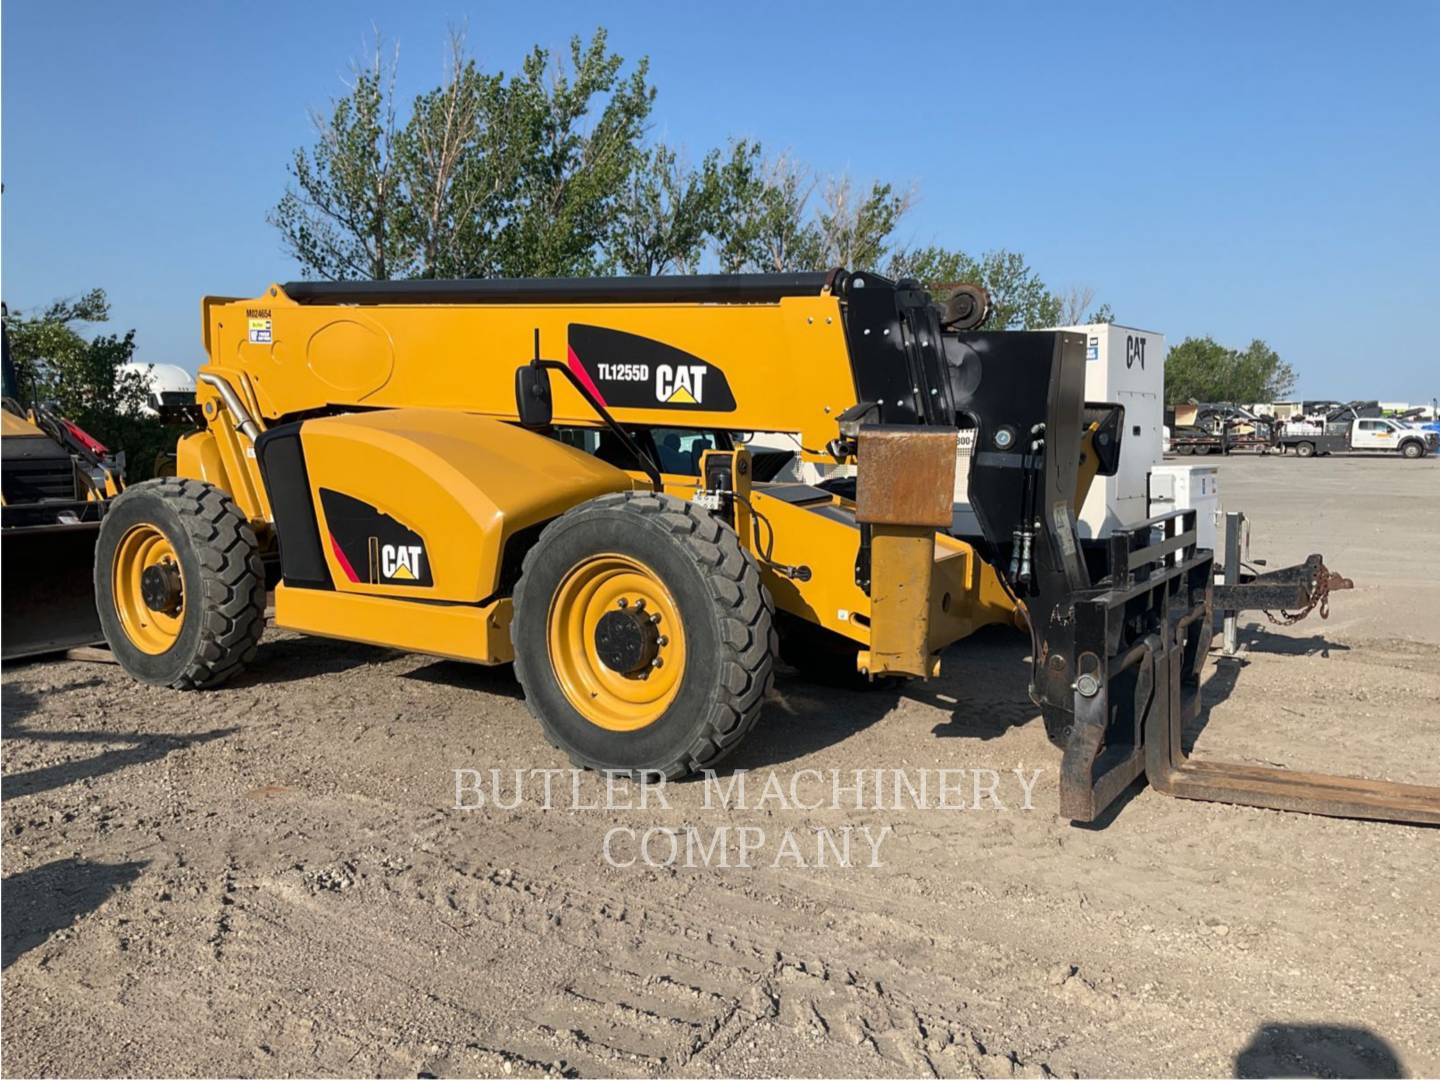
{"x":260,"y":332}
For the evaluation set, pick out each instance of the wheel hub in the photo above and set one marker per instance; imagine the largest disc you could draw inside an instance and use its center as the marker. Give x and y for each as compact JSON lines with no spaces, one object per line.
{"x":616,"y":642}
{"x":160,"y":587}
{"x":148,"y":589}
{"x":627,"y":640}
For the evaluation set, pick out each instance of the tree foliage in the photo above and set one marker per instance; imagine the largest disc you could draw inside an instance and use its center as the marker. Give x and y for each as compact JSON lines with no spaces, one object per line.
{"x":665,"y":212}
{"x":1019,"y":299}
{"x":550,"y":171}
{"x":1203,"y":370}
{"x":486,"y":176}
{"x":84,"y":379}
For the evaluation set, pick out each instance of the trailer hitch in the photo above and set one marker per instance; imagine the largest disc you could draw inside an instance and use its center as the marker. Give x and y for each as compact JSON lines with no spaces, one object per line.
{"x":1293,"y":592}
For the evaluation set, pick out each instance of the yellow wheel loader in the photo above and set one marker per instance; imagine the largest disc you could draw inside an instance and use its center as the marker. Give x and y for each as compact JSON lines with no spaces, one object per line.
{"x":57,"y":484}
{"x":555,"y":473}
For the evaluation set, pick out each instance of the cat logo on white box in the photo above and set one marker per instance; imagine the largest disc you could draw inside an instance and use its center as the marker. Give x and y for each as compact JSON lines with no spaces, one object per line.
{"x":402,"y":563}
{"x":682,"y":384}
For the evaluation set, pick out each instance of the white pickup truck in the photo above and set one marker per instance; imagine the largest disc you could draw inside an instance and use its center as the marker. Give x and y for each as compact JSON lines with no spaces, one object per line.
{"x":1374,"y":435}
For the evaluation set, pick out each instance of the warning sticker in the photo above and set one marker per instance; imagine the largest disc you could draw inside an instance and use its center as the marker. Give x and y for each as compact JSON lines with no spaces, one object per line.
{"x":260,"y":331}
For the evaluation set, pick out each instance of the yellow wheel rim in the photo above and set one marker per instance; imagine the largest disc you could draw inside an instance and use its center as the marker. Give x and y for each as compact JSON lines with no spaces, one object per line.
{"x":611,"y":699}
{"x":150,"y":631}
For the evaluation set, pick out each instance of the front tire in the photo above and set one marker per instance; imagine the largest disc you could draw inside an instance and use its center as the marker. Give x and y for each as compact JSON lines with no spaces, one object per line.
{"x":179,"y":585}
{"x":644,"y":638}
{"x":1412,"y":450}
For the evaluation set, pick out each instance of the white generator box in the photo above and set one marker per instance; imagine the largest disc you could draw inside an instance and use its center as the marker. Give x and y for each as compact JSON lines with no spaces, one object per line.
{"x":1189,"y":487}
{"x":1125,"y":366}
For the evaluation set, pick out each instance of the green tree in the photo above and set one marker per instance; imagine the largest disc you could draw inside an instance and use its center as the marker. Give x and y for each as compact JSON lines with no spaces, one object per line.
{"x":766,"y":224}
{"x":1019,"y":299}
{"x":84,"y":379}
{"x":547,"y":172}
{"x":856,"y":225}
{"x":1203,"y":370}
{"x":344,"y":214}
{"x":452,"y":181}
{"x":570,"y":139}
{"x":665,"y":216}
{"x":486,"y":176}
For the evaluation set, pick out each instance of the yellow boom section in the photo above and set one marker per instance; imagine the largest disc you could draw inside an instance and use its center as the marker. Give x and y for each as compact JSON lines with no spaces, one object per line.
{"x":774,"y":366}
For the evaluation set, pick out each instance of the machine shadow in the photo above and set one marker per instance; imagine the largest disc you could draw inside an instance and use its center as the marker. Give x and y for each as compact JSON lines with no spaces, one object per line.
{"x":1214,"y":690}
{"x":497,"y":679}
{"x":146,"y":747}
{"x":16,"y":703}
{"x":293,"y":659}
{"x":802,"y":718}
{"x":1280,"y":1049}
{"x":1256,"y":639}
{"x":983,"y":686}
{"x":39,"y":902}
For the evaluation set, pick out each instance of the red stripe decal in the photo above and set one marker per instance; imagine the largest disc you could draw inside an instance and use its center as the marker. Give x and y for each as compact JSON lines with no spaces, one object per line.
{"x":584,"y":376}
{"x":342,"y":560}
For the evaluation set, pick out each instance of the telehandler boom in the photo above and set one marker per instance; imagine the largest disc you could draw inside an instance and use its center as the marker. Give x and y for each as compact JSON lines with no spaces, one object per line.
{"x":555,"y":472}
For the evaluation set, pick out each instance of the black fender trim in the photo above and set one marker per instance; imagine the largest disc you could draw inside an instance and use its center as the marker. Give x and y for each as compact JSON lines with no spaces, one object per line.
{"x":282,"y":466}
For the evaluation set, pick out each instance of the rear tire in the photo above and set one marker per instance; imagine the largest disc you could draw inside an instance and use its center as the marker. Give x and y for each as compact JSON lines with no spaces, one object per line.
{"x":212,"y":625}
{"x":1305,"y":449}
{"x":718,"y":623}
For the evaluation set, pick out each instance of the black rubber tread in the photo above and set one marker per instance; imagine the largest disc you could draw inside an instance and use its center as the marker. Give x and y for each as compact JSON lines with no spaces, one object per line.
{"x":226,"y":558}
{"x":748,"y":644}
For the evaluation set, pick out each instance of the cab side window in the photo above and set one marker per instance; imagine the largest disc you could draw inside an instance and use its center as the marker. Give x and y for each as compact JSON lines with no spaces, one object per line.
{"x":678,"y":449}
{"x":675,"y":450}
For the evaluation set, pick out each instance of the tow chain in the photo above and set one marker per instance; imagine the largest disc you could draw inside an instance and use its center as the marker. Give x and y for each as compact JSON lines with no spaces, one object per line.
{"x":1325,"y":580}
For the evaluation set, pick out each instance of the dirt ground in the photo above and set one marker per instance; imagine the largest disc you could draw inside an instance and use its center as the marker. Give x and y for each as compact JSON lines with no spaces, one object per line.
{"x":272,"y":878}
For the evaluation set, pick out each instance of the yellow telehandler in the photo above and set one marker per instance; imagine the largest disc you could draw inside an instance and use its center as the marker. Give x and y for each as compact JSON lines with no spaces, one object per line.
{"x":555,"y":472}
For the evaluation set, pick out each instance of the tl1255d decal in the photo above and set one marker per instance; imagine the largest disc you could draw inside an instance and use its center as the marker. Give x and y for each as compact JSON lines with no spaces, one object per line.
{"x":371,"y":547}
{"x":630,"y":371}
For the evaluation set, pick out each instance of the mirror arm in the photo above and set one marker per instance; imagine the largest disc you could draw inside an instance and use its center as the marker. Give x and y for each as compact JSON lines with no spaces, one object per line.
{"x":646,"y":464}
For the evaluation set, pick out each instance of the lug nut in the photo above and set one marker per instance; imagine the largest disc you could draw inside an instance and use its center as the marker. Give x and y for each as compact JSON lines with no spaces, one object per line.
{"x":624,"y":603}
{"x":655,"y":618}
{"x":662,"y":640}
{"x":640,"y":604}
{"x":657,"y":662}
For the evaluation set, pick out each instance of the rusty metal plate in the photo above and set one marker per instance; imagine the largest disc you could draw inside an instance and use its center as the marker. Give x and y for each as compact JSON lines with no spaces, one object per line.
{"x":906,"y":475}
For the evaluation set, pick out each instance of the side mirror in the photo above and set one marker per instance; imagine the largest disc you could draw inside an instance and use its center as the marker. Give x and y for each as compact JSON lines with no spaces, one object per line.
{"x":532,"y":396}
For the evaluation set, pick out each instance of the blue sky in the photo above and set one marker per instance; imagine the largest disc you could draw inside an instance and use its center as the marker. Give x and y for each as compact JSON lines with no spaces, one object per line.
{"x":1236,"y":169}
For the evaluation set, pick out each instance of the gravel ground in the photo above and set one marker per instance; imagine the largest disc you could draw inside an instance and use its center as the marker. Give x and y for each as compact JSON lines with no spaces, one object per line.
{"x":272,"y":878}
